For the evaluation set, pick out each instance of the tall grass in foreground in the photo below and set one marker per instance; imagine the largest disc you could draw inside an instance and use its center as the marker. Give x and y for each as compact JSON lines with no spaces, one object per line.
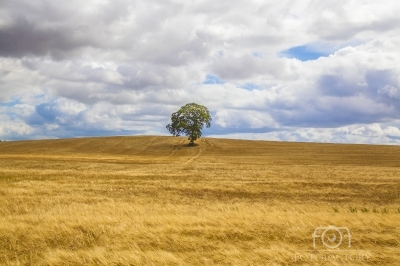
{"x":154,"y":201}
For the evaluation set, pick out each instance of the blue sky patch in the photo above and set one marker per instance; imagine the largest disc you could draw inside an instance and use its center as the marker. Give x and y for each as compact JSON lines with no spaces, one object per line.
{"x":249,"y":86}
{"x":211,"y":79}
{"x":304,"y":53}
{"x":11,"y":103}
{"x":40,"y":96}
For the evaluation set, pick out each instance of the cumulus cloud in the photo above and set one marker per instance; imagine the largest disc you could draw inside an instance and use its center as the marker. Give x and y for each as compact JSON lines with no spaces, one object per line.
{"x":103,"y":67}
{"x":352,"y":134}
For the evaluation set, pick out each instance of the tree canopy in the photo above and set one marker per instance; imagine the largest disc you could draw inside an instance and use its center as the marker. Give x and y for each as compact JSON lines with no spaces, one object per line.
{"x":189,"y":120}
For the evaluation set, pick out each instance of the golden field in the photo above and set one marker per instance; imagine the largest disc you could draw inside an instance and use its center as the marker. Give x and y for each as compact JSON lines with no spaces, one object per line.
{"x":150,"y":200}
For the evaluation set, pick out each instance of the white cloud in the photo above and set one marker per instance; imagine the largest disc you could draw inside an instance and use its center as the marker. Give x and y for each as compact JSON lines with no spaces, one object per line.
{"x":13,"y":127}
{"x":354,"y":134}
{"x":392,"y":131}
{"x":226,"y":118}
{"x":106,"y":67}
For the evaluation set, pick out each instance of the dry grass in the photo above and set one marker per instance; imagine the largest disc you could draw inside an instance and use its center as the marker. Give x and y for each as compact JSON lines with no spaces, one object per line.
{"x":155,"y":201}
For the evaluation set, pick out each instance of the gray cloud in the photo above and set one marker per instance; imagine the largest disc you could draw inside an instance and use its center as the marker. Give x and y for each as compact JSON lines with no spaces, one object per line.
{"x":335,"y":85}
{"x":25,"y":39}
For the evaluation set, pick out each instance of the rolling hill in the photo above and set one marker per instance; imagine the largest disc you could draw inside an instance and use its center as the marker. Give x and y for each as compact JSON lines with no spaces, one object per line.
{"x":153,"y":200}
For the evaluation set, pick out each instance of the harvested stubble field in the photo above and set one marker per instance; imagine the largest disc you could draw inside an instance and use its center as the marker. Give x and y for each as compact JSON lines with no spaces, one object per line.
{"x":154,"y":201}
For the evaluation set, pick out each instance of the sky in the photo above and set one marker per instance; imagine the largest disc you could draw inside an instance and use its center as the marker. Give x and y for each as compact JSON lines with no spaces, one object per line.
{"x":307,"y":70}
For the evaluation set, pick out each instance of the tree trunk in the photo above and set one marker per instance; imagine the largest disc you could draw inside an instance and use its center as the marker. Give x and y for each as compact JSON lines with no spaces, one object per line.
{"x":191,"y":143}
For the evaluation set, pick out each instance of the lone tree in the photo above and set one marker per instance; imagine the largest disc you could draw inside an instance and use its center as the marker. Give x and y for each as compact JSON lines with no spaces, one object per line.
{"x":189,"y":120}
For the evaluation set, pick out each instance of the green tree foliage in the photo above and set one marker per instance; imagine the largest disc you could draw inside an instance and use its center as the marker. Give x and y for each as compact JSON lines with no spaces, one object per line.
{"x":189,"y":120}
